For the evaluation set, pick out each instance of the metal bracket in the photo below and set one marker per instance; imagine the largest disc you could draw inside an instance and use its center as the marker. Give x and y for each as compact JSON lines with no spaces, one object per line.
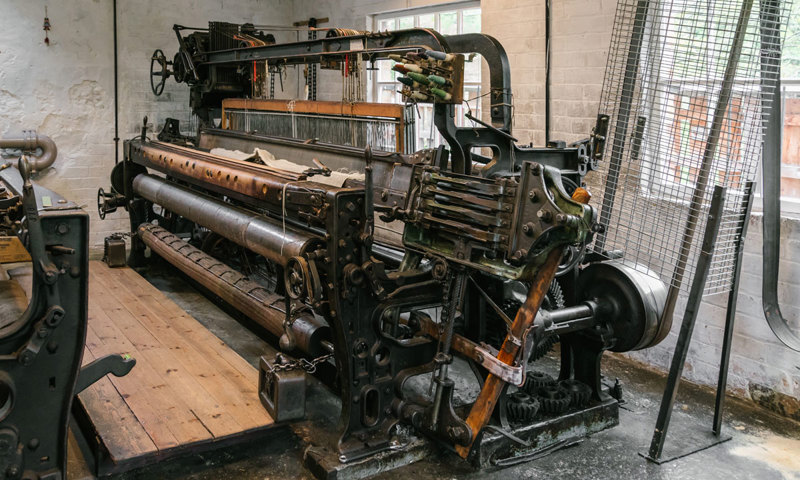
{"x":118,"y":365}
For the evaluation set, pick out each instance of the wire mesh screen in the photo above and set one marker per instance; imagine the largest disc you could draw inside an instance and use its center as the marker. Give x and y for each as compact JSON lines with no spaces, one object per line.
{"x":685,"y":95}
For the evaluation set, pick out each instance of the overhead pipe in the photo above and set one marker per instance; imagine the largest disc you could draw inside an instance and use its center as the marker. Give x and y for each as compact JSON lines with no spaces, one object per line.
{"x":31,"y":142}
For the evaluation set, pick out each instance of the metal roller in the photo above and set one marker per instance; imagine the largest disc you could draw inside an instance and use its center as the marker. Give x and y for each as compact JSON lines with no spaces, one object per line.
{"x":632,"y":302}
{"x":265,"y":308}
{"x":260,"y":234}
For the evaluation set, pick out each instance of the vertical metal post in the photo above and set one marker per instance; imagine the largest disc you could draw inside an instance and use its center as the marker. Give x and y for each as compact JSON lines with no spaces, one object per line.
{"x":687,"y":327}
{"x":770,"y":15}
{"x":705,"y":167}
{"x":623,"y":117}
{"x":733,"y":296}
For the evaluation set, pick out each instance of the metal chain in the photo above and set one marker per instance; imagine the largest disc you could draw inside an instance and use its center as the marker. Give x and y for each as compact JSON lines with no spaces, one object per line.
{"x":310,"y":366}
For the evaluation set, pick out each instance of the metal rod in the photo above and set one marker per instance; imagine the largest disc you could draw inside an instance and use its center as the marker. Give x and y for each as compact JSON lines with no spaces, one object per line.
{"x":547,"y":39}
{"x":116,"y":90}
{"x":623,"y":117}
{"x":276,"y":241}
{"x":730,"y":315}
{"x":687,"y":327}
{"x":699,"y":192}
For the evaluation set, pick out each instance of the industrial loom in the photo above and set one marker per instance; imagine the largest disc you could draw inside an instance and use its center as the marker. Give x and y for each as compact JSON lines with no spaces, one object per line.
{"x":391,"y":266}
{"x":479,"y":257}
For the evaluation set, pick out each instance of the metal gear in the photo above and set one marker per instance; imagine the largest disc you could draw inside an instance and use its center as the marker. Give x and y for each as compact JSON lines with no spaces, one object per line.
{"x":553,"y":399}
{"x":580,"y":393}
{"x":521,"y":407}
{"x":534,"y":380}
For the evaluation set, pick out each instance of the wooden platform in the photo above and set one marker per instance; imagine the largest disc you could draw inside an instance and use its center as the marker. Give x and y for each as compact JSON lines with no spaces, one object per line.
{"x":188,"y":391}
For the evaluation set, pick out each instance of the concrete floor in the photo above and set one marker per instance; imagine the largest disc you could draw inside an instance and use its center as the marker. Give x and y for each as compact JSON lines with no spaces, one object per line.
{"x":764,"y":446}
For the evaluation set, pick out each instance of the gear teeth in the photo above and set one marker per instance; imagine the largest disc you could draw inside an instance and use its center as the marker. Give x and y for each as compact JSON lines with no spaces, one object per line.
{"x":521,"y":407}
{"x":534,"y":380}
{"x":580,"y":393}
{"x":553,"y":399}
{"x":543,"y":348}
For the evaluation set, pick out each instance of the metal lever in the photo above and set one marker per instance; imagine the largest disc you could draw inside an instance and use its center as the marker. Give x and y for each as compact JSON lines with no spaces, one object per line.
{"x":118,"y":365}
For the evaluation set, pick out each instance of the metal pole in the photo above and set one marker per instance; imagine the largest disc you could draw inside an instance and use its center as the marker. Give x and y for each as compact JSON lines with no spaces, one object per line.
{"x":733,"y":296}
{"x":116,"y":90}
{"x":705,"y":168}
{"x":687,"y":327}
{"x":771,"y":168}
{"x":547,"y":39}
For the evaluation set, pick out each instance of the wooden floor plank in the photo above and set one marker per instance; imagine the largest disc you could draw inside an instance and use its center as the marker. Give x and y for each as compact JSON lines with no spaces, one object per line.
{"x":112,"y":416}
{"x":188,"y":387}
{"x":186,"y":327}
{"x":153,"y":377}
{"x":218,"y":406}
{"x":202,"y":338}
{"x":135,"y":387}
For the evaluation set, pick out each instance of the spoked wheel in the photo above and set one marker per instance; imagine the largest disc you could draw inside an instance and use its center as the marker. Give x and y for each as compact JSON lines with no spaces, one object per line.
{"x":159,"y":78}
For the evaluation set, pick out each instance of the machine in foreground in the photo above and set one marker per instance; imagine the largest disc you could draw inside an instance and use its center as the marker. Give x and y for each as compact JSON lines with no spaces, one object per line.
{"x":390,"y":265}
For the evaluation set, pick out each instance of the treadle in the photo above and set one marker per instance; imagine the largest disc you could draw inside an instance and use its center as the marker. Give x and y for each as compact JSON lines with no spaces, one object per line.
{"x":546,"y":435}
{"x":189,"y":392}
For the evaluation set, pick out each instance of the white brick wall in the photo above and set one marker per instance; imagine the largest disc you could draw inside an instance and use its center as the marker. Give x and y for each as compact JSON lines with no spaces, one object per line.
{"x":66,"y":90}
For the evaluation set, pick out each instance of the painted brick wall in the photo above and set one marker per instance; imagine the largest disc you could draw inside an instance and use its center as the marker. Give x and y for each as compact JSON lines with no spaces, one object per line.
{"x":66,"y":90}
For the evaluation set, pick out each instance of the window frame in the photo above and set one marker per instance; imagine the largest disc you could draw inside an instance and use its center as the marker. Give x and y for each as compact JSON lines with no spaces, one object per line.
{"x":376,"y":85}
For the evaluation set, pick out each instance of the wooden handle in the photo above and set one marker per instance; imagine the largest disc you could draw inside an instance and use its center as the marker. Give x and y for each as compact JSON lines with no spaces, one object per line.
{"x":482,"y":408}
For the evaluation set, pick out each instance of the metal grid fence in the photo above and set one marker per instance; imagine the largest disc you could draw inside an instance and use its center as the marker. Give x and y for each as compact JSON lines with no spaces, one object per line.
{"x":686,"y":99}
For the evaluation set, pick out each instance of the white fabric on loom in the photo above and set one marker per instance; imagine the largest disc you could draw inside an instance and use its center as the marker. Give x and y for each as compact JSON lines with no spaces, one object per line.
{"x":336,"y":179}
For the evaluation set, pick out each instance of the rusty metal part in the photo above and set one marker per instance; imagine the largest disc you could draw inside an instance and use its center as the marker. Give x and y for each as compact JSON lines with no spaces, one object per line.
{"x":30,"y":141}
{"x":248,"y":297}
{"x":262,"y":235}
{"x":483,"y":407}
{"x":482,"y":354}
{"x":224,"y":175}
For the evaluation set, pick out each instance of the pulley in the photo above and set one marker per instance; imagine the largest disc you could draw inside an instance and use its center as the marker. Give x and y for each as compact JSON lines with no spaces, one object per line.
{"x":631,"y":299}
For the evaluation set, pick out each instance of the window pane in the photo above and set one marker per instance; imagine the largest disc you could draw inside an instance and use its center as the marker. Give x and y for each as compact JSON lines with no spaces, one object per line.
{"x":472,"y":95}
{"x":448,"y":23}
{"x":426,"y":21}
{"x":790,"y":183}
{"x":405,"y":22}
{"x":472,"y":21}
{"x":387,"y":94}
{"x":385,"y":72}
{"x":472,"y":70}
{"x":387,"y":24}
{"x":790,"y":65}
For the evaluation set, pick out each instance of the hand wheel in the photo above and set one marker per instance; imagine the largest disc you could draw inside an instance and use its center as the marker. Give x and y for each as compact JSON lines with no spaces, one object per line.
{"x":159,"y":79}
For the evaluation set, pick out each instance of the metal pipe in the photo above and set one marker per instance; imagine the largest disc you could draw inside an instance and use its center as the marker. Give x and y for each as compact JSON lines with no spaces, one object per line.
{"x":29,"y":142}
{"x":699,"y":192}
{"x":770,"y":16}
{"x":263,"y":235}
{"x":116,"y":88}
{"x":248,"y":297}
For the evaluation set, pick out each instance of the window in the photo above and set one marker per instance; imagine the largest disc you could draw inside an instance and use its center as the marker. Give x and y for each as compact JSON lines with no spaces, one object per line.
{"x":449,"y":19}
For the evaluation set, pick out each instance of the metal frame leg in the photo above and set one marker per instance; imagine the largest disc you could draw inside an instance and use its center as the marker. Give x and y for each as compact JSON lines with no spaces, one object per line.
{"x":687,"y":327}
{"x":730,"y":317}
